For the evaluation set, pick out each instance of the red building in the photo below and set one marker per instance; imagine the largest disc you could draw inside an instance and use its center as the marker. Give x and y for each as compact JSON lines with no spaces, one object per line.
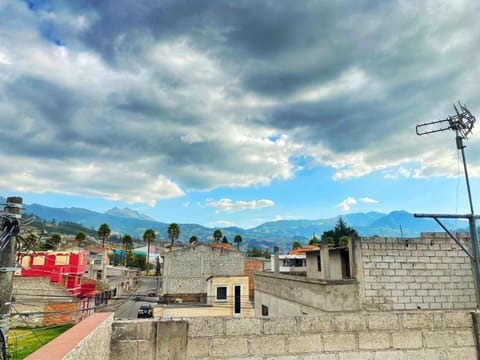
{"x":64,"y":267}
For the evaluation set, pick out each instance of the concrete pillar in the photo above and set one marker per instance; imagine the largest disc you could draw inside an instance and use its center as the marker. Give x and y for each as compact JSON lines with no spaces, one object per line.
{"x":276,"y":261}
{"x":325,"y":259}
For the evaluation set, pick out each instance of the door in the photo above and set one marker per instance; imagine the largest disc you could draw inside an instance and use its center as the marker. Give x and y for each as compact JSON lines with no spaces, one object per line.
{"x":237,"y":300}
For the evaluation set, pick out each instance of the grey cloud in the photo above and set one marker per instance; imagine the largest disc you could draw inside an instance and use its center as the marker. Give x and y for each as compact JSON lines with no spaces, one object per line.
{"x":348,"y":77}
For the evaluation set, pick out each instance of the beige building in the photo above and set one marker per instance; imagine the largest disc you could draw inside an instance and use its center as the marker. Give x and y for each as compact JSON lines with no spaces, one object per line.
{"x":227,"y":296}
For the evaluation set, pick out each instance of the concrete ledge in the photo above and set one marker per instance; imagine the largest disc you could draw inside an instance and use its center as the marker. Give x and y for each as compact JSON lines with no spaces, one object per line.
{"x":76,"y":338}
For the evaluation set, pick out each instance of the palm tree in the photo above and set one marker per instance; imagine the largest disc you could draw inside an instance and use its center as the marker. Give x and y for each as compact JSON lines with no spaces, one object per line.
{"x":127,"y":243}
{"x":238,"y":239}
{"x":104,"y":232}
{"x":217,"y":235}
{"x":193,"y":239}
{"x":173,"y":232}
{"x":148,"y":236}
{"x":80,"y":238}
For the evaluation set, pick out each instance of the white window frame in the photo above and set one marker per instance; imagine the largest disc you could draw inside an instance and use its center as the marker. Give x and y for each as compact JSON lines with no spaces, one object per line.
{"x":216,"y":293}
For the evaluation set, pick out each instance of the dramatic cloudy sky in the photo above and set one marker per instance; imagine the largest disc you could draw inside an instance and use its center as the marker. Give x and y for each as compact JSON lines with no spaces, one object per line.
{"x":237,"y":112}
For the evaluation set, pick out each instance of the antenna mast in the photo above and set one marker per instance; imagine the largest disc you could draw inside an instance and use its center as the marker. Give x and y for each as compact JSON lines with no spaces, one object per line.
{"x":462,"y":123}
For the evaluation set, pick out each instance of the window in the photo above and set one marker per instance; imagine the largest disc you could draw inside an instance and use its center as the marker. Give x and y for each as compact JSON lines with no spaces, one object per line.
{"x":221,"y":293}
{"x":264,"y":310}
{"x":319,"y":263}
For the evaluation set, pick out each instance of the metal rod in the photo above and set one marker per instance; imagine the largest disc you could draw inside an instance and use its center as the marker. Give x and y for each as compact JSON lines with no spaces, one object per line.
{"x":446,"y":216}
{"x":454,"y":239}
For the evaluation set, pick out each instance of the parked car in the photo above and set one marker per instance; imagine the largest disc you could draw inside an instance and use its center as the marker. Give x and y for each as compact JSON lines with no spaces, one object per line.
{"x":145,"y":311}
{"x":152,"y":292}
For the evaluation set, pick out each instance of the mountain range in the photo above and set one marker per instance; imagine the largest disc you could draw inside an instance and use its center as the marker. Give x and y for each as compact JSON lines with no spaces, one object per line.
{"x":276,"y":233}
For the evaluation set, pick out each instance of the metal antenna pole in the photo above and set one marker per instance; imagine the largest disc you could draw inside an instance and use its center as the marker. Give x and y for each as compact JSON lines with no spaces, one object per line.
{"x":462,"y":123}
{"x":471,"y":222}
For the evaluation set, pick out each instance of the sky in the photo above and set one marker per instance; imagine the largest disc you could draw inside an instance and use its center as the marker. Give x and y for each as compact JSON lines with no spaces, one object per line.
{"x":235,"y":113}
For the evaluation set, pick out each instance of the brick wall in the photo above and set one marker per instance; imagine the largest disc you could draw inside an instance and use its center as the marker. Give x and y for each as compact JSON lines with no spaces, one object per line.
{"x":186,"y":270}
{"x":430,"y":272}
{"x":36,"y":296}
{"x":337,"y":336}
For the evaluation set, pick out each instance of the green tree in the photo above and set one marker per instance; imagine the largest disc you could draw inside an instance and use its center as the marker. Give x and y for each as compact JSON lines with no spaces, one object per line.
{"x":193,"y":239}
{"x":127,"y":242}
{"x":80,"y":239}
{"x":255,"y":252}
{"x":53,"y":241}
{"x":238,"y":240}
{"x":173,"y":233}
{"x":136,"y":261}
{"x":104,"y":232}
{"x":225,"y":240}
{"x":296,"y":245}
{"x":314,"y":241}
{"x":217,"y":235}
{"x":148,"y":236}
{"x":338,"y":234}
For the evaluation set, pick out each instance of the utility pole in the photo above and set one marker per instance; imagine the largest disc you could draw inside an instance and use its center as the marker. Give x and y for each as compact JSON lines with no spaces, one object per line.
{"x":8,"y":246}
{"x":462,"y":123}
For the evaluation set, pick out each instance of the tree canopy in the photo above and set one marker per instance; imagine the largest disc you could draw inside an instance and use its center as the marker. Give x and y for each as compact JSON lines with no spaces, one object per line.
{"x":314,"y":241}
{"x":104,"y":232}
{"x":340,"y":234}
{"x":296,"y":245}
{"x":237,"y":240}
{"x":173,"y":232}
{"x":148,"y":236}
{"x":217,"y":235}
{"x":193,"y":239}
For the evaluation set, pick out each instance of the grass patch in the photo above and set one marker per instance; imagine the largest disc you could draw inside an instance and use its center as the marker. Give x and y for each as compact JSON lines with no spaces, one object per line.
{"x":23,"y":341}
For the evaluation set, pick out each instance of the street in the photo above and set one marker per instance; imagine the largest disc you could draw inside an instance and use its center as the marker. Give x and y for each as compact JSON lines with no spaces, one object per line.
{"x":129,"y":308}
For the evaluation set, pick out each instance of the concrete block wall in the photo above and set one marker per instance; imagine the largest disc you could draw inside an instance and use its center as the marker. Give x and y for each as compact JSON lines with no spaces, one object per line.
{"x":337,"y":336}
{"x":430,"y":272}
{"x":340,"y":336}
{"x":186,"y":270}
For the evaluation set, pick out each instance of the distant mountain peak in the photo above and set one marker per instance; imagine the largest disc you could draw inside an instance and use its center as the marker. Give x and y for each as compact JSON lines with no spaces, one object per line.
{"x":128,"y":213}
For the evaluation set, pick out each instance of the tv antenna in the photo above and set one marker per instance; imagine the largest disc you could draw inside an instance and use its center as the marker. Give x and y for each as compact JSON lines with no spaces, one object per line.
{"x":462,"y":123}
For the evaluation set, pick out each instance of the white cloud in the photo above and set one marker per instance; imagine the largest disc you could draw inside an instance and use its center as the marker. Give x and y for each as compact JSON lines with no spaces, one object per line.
{"x":221,"y":223}
{"x":346,"y":204}
{"x":229,"y":205}
{"x":368,"y":200}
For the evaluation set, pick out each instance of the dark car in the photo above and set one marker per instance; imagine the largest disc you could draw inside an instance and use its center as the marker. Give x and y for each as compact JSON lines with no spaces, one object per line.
{"x":145,"y":311}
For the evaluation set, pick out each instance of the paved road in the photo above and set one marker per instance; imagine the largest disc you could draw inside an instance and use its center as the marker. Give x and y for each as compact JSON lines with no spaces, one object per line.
{"x":129,"y":308}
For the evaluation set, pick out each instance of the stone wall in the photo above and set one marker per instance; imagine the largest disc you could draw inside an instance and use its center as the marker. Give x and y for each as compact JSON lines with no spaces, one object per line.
{"x":337,"y":336}
{"x":186,"y":270}
{"x":430,"y":272}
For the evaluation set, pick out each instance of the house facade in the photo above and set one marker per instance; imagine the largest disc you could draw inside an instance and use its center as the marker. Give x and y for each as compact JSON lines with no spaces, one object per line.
{"x":63,"y":267}
{"x":186,"y":270}
{"x":373,"y":274}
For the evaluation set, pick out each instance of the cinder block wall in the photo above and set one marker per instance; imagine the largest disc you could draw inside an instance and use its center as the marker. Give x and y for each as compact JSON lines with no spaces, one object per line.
{"x":430,"y":272}
{"x":186,"y":270}
{"x":338,"y":336}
